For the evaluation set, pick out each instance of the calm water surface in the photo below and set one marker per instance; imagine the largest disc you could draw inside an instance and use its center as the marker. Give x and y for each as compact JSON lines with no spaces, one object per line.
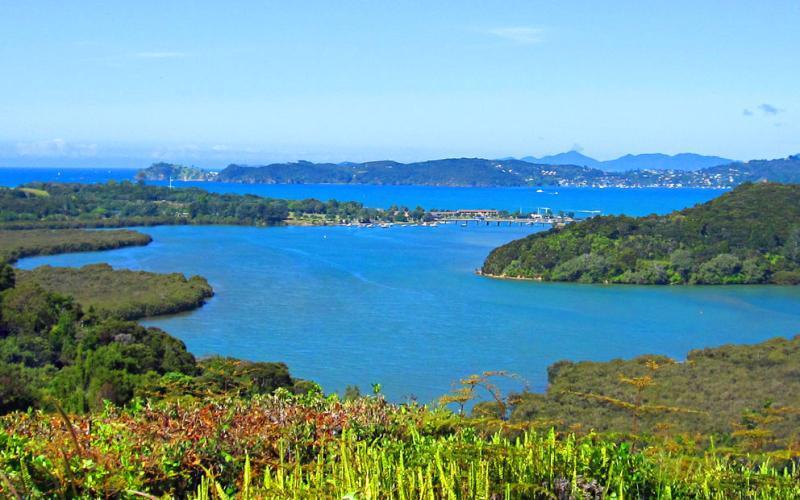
{"x":402,"y":306}
{"x":527,"y":199}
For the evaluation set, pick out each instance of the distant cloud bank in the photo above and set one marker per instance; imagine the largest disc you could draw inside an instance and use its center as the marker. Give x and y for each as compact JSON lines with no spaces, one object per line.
{"x":55,"y":148}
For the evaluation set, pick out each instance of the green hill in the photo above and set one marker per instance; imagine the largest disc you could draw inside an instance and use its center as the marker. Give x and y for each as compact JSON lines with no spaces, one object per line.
{"x":562,"y":170}
{"x":468,"y":172}
{"x":749,"y":235}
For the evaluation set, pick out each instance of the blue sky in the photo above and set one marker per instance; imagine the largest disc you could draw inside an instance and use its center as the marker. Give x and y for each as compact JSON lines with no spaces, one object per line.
{"x":118,"y":83}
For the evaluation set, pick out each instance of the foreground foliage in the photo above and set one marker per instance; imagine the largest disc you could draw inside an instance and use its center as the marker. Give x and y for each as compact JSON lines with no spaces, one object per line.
{"x":747,"y":236}
{"x":311,"y":447}
{"x":122,"y":293}
{"x":745,"y":397}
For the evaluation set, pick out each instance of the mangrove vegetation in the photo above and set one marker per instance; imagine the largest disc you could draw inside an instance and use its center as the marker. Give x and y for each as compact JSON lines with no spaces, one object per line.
{"x":16,"y":244}
{"x":121,"y":293}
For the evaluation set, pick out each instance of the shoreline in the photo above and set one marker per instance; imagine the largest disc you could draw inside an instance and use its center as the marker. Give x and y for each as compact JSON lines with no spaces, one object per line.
{"x":459,"y":186}
{"x":479,"y":272}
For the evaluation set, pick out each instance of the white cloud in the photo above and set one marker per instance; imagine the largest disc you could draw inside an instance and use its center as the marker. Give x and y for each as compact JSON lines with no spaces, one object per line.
{"x":56,"y":148}
{"x":520,"y":35}
{"x":159,"y":55}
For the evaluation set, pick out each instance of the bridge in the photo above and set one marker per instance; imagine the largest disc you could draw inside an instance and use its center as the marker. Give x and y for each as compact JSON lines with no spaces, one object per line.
{"x":522,"y":221}
{"x":542,"y":216}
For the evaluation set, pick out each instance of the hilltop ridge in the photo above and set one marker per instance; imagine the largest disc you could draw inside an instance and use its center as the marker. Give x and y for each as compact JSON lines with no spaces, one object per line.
{"x":480,"y":172}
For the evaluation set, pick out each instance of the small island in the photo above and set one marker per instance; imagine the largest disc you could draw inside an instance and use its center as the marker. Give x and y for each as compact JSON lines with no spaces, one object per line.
{"x":172,"y":172}
{"x":750,"y":235}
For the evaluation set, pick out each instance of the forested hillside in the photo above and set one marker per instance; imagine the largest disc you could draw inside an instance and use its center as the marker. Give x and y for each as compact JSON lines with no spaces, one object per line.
{"x":572,"y":170}
{"x":54,"y":352}
{"x":448,"y":172}
{"x":749,"y":235}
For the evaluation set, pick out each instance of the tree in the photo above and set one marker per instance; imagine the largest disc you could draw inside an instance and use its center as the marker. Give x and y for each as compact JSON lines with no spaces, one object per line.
{"x":7,"y":278}
{"x":16,"y":388}
{"x":469,"y":386}
{"x":682,"y":262}
{"x":352,"y":392}
{"x":718,"y":270}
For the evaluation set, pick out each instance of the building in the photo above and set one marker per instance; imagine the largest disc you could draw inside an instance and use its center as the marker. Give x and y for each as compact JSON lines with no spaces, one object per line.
{"x":465,"y":213}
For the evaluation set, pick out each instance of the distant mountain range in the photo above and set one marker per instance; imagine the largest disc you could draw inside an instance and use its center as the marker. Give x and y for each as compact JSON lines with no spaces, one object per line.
{"x":651,"y":161}
{"x":479,"y":172}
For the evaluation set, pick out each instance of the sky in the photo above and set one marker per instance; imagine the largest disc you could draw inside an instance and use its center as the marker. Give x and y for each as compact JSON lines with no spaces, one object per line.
{"x":209,"y":83}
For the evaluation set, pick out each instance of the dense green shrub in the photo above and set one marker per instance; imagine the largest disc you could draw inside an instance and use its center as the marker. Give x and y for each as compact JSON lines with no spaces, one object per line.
{"x":709,"y":393}
{"x":747,"y":236}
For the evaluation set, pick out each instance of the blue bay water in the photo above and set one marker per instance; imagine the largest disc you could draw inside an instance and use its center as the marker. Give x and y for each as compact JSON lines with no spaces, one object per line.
{"x":403,"y":307}
{"x":12,"y":177}
{"x":527,"y":199}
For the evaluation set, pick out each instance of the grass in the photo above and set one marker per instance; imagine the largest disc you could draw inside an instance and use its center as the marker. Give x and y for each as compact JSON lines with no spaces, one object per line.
{"x":285,"y":446}
{"x":122,"y":293}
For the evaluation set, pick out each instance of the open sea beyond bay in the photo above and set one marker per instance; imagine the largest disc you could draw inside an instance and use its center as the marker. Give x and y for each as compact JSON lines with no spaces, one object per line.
{"x":402,"y":306}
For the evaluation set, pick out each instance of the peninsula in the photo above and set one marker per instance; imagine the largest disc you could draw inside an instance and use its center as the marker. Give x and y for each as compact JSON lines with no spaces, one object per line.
{"x":750,"y":235}
{"x":63,"y":206}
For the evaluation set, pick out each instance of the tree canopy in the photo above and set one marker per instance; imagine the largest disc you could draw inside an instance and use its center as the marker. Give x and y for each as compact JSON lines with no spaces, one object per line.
{"x":747,"y":236}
